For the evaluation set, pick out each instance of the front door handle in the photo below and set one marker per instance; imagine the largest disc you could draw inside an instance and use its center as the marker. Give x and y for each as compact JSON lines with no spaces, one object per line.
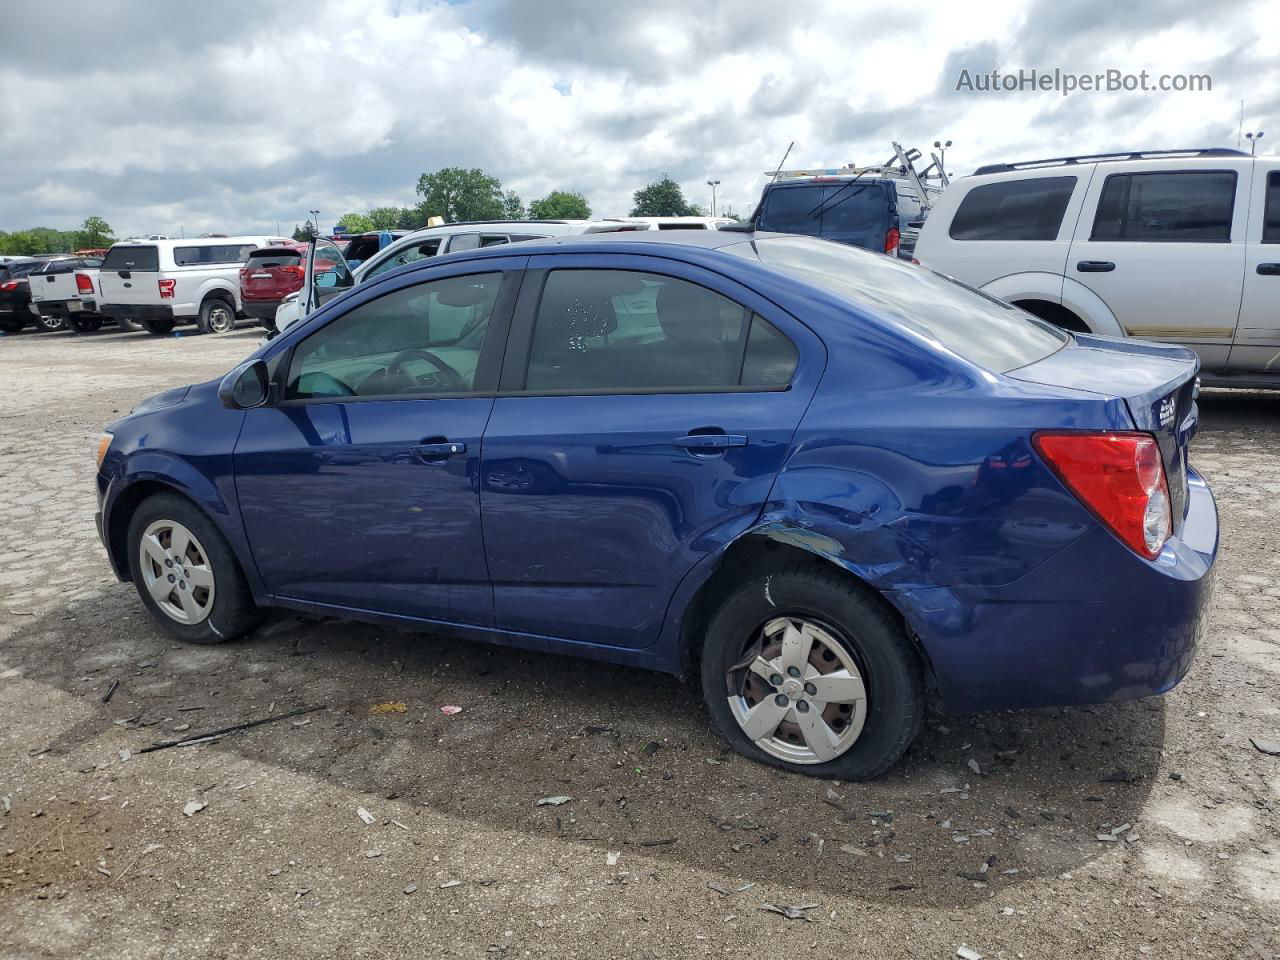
{"x":438,"y":452}
{"x":1095,"y":266}
{"x":708,"y":442}
{"x":1269,"y":269}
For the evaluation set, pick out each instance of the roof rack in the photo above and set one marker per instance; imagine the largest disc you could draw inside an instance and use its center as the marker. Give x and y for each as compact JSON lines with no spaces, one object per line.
{"x":1096,"y":157}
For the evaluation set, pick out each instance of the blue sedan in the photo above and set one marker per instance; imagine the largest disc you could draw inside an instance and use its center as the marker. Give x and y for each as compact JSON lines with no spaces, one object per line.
{"x":834,"y":486}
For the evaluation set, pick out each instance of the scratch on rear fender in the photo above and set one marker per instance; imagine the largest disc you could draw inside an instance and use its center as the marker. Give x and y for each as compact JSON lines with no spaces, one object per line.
{"x":767,"y":595}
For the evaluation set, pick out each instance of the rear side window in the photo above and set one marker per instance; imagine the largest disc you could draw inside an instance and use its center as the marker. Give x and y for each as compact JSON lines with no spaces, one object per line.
{"x":793,"y":210}
{"x":274,"y":258}
{"x":1177,"y":207}
{"x":979,"y":328}
{"x":619,"y":331}
{"x":1014,"y":210}
{"x":1271,"y":215}
{"x":132,"y":258}
{"x":362,"y":248}
{"x":211,"y":254}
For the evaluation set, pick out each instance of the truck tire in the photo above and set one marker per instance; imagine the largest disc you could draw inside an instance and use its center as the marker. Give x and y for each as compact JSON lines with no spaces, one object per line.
{"x":216,"y":316}
{"x":85,"y":324}
{"x":50,"y":323}
{"x":160,"y":327}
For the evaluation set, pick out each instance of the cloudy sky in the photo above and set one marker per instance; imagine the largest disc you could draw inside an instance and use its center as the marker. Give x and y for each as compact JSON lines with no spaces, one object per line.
{"x":229,"y":116}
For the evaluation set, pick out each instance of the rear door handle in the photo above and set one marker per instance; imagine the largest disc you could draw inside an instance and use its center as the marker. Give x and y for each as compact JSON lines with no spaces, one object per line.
{"x":710,"y":441}
{"x":1269,"y":269}
{"x":438,"y":452}
{"x":1095,"y":266}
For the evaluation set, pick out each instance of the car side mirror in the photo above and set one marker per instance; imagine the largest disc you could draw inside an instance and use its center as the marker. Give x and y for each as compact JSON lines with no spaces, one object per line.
{"x":245,"y":387}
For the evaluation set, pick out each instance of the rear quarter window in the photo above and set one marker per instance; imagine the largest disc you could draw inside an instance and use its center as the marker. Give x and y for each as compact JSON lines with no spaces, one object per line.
{"x":1014,"y":210}
{"x":1186,"y":206}
{"x":211,"y":254}
{"x":987,"y":332}
{"x":132,"y":258}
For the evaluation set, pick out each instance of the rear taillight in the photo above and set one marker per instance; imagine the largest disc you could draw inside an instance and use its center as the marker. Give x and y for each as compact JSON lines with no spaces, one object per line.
{"x":299,"y":272}
{"x":84,"y":283}
{"x":916,"y":263}
{"x":9,"y":285}
{"x":891,"y":240}
{"x":166,"y":288}
{"x":244,"y":273}
{"x":1118,"y":476}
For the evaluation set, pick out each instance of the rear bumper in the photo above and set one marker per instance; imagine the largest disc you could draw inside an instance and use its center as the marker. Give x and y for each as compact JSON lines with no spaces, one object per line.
{"x":260,"y":309}
{"x":136,"y":311}
{"x":64,"y":308}
{"x":1093,"y":624}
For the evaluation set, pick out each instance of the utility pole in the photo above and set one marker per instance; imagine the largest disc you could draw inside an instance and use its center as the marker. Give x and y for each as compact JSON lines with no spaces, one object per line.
{"x":1253,"y":139}
{"x":713,"y":184}
{"x":942,"y":159}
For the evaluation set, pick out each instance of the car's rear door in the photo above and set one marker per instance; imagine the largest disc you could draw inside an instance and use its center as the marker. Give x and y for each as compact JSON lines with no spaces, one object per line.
{"x":1163,"y":247}
{"x":359,"y":486}
{"x":630,"y":438}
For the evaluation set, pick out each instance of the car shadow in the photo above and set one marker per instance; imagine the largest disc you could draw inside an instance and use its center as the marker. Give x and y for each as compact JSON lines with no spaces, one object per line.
{"x":1230,"y":411}
{"x":978,"y":804}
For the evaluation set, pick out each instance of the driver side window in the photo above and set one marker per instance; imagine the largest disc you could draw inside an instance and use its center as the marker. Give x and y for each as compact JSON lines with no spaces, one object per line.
{"x":416,"y":341}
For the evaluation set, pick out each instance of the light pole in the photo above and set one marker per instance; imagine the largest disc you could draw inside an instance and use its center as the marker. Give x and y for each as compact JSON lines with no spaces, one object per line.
{"x":1253,"y":139}
{"x":315,"y":223}
{"x":713,"y":184}
{"x":942,"y":160}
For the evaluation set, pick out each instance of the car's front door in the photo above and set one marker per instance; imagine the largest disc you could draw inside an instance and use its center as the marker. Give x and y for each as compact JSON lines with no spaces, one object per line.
{"x":326,"y":275}
{"x":358,"y":487}
{"x":1257,"y":346}
{"x":633,"y":434}
{"x":1165,"y":251}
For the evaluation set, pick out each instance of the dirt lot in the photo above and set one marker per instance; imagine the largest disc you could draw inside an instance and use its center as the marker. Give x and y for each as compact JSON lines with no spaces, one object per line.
{"x":669,"y":845}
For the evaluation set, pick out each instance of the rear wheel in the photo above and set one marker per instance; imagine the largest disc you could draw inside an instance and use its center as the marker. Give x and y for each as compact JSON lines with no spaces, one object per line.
{"x":159,"y":327}
{"x":85,"y":324}
{"x":186,"y":574}
{"x":11,"y":326}
{"x":804,"y":670}
{"x":216,"y":316}
{"x":50,"y":323}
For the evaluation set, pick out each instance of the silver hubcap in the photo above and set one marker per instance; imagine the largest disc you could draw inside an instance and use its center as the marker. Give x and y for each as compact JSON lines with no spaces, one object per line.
{"x":797,"y":694}
{"x":176,"y":571}
{"x":220,"y":320}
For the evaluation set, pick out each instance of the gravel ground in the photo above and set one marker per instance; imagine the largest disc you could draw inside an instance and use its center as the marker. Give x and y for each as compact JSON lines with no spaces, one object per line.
{"x":987,"y":835}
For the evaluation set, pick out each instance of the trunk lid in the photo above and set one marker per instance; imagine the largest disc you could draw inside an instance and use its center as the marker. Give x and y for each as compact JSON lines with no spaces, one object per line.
{"x":1157,"y":383}
{"x":271,"y":274}
{"x":54,"y":283}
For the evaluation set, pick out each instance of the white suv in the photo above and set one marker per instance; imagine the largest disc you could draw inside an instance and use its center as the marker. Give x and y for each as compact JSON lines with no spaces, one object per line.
{"x":164,"y":282}
{"x":1180,"y":246}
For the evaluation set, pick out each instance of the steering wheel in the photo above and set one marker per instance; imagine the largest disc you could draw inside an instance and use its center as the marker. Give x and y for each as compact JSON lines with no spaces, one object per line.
{"x":453,"y":380}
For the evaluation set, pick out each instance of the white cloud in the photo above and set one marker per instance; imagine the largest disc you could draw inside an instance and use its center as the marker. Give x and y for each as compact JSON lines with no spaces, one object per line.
{"x":232,"y":118}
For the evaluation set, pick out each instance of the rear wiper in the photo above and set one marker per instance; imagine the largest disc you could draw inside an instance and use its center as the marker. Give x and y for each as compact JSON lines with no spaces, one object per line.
{"x":820,"y":209}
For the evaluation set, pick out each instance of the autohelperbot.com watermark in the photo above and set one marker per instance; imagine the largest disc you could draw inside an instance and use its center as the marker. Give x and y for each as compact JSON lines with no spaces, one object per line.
{"x":1065,"y":82}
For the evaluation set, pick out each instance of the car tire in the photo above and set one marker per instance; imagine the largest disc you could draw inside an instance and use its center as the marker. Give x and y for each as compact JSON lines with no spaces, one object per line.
{"x":158,"y":327}
{"x":216,"y":316}
{"x":854,"y":637}
{"x":85,"y":324}
{"x":128,"y":323}
{"x":47,"y":323}
{"x":12,"y":326}
{"x":207,"y":602}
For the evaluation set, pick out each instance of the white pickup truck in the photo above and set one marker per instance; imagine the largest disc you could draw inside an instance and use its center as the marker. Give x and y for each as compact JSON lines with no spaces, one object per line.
{"x":63,"y":291}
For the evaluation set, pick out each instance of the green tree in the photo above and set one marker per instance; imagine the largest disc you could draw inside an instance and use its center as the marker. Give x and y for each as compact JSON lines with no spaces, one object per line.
{"x":384,"y":218}
{"x":305,"y":232}
{"x":458,"y":194}
{"x":94,"y":232}
{"x":356,"y":222}
{"x":408,"y":218}
{"x":512,"y":206}
{"x":662,"y":198}
{"x":560,"y":205}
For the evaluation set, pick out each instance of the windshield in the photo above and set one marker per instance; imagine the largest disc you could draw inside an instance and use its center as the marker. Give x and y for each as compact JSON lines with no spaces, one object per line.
{"x":981,"y":329}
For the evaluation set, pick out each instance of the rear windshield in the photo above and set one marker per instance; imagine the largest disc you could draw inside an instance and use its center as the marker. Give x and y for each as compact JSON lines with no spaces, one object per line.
{"x":212,"y":253}
{"x":362,"y":248}
{"x":132,"y":258}
{"x":981,"y":329}
{"x":827,"y":209}
{"x":274,"y":258}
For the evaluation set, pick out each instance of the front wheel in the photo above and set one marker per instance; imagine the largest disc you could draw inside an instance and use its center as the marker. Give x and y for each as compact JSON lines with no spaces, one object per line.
{"x":185,"y":573}
{"x":805,"y":670}
{"x":216,"y":316}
